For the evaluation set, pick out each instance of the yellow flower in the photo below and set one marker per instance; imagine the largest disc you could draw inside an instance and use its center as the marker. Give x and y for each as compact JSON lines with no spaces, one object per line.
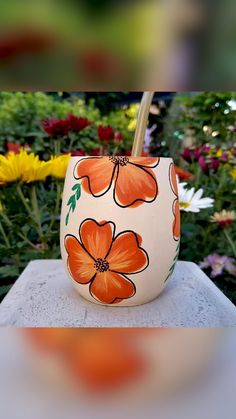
{"x":132,"y":112}
{"x":22,"y":166}
{"x":233,"y":173}
{"x":39,"y":170}
{"x":219,"y":152}
{"x":59,"y":166}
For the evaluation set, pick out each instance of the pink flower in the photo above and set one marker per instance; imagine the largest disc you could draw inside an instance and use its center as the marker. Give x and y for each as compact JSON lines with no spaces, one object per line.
{"x":203,"y":164}
{"x":187,"y":155}
{"x":198,"y":153}
{"x":218,"y":264}
{"x":214,"y":165}
{"x":119,"y":137}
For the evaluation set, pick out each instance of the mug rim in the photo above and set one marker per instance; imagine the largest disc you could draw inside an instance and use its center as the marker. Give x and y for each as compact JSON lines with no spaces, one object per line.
{"x":73,"y":154}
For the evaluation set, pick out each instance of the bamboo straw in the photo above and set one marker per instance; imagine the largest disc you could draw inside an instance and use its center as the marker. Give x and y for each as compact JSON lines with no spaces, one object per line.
{"x":142,"y":123}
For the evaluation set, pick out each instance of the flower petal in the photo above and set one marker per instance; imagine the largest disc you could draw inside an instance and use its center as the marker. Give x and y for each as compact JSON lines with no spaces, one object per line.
{"x":97,"y":174}
{"x":173,"y":179}
{"x":145,"y":161}
{"x":134,"y":185}
{"x":97,"y":237}
{"x":109,"y":286}
{"x":176,"y":222}
{"x":126,"y":256}
{"x":80,"y":264}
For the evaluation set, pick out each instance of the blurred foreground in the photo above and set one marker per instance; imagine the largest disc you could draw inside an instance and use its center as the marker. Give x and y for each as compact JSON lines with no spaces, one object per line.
{"x":78,"y":373}
{"x":117,"y":45}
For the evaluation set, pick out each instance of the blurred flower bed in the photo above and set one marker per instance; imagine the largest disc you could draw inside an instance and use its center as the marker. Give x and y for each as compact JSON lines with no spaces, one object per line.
{"x":37,"y":133}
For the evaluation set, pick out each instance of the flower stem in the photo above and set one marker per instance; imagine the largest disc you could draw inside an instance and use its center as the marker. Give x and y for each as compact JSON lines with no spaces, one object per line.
{"x":57,"y":207}
{"x":36,"y":211}
{"x":71,"y":143}
{"x":22,"y":236}
{"x":22,"y":197}
{"x":228,"y":237}
{"x":4,"y":236}
{"x":57,"y":147}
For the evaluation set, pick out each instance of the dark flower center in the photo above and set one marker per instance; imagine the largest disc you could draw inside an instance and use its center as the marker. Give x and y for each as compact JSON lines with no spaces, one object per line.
{"x":122,"y":161}
{"x":101,"y":265}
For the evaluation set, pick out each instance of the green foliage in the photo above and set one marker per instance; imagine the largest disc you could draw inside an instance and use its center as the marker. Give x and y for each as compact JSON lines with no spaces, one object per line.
{"x":191,"y":112}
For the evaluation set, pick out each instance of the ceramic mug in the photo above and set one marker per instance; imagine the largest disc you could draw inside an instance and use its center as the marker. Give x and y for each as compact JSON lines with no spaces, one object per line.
{"x":120,"y":227}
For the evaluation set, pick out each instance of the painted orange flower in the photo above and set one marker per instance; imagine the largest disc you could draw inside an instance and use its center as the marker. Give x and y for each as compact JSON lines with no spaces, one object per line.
{"x":103,"y":260}
{"x":173,"y":179}
{"x":176,"y":222}
{"x":133,"y":178}
{"x":175,"y":208}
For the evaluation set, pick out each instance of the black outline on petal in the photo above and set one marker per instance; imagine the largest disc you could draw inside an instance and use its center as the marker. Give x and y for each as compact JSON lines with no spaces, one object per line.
{"x":99,"y":225}
{"x":139,"y":247}
{"x":144,"y":165}
{"x":175,"y":239}
{"x":171,"y":184}
{"x":87,"y":177}
{"x":67,"y":263}
{"x":124,"y":298}
{"x":123,"y":274}
{"x":138,"y":199}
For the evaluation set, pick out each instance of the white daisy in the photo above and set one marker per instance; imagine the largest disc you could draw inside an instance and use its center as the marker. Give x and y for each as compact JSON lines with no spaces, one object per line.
{"x":191,"y":200}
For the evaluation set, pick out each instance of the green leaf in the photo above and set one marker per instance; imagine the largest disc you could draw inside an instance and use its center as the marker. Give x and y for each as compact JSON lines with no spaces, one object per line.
{"x":67,"y":218}
{"x":4,"y":289}
{"x":9,"y":271}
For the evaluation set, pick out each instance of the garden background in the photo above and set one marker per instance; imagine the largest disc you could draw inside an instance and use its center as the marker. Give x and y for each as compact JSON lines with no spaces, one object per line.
{"x":39,"y":130}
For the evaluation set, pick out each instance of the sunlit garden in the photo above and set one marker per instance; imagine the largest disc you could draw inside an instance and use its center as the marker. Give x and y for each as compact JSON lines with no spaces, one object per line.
{"x":38,"y":131}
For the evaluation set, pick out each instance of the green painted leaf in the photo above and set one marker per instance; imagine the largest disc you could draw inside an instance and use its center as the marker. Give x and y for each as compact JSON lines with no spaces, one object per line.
{"x":71,"y":201}
{"x":76,"y":186}
{"x":78,"y":193}
{"x":67,"y":218}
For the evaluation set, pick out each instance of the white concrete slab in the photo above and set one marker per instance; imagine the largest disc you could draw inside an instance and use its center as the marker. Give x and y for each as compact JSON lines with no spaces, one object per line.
{"x":43,"y":296}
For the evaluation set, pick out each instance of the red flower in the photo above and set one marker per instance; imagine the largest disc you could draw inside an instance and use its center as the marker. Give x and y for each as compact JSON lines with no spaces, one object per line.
{"x":119,"y":137}
{"x":55,"y":127}
{"x":96,"y":152}
{"x":183,"y":174}
{"x":79,"y":152}
{"x":77,"y":124}
{"x":15,"y":148}
{"x":106,"y":133}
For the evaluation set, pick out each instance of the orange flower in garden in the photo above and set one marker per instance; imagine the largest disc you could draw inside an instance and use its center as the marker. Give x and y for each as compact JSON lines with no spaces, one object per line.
{"x":176,"y":222}
{"x":133,"y":177}
{"x":103,"y":260}
{"x":182,"y":173}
